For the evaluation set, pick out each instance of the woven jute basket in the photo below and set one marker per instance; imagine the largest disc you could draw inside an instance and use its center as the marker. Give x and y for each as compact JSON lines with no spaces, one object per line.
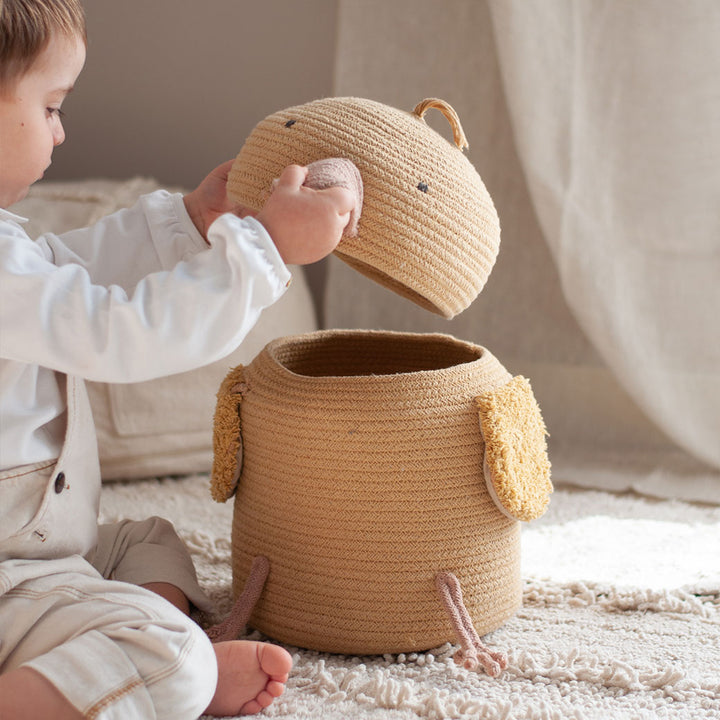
{"x":428,"y":230}
{"x":359,"y":476}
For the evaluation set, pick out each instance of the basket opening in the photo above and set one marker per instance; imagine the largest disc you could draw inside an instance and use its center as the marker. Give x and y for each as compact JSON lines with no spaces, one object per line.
{"x":361,"y":354}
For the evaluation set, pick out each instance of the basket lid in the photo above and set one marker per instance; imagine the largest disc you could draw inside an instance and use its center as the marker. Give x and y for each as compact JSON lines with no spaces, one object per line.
{"x":428,"y":231}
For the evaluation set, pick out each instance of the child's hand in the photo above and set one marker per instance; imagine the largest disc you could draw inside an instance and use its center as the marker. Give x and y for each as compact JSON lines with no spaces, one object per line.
{"x":305,"y":224}
{"x":209,"y":200}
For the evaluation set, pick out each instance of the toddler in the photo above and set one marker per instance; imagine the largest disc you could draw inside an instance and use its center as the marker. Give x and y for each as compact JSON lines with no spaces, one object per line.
{"x":94,"y":620}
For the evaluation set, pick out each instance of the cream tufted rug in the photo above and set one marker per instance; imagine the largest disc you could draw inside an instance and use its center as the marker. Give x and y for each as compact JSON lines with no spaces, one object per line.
{"x":621,"y":617}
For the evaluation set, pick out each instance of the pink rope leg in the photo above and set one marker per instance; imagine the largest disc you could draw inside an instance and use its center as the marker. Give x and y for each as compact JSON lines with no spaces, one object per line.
{"x":231,"y":627}
{"x":472,"y":651}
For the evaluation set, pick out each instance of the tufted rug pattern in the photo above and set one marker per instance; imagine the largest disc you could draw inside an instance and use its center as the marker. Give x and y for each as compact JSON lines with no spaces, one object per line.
{"x":620,"y":618}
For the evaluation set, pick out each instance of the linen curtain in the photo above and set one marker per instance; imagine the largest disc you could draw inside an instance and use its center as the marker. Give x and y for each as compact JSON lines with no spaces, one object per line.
{"x":596,"y":128}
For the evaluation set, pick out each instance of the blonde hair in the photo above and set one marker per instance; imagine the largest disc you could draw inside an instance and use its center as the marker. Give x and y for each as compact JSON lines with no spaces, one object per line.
{"x":26,"y":27}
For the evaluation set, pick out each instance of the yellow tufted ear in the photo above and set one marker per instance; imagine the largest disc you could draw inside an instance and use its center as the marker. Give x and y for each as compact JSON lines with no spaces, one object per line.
{"x":227,"y":436}
{"x":517,"y":469}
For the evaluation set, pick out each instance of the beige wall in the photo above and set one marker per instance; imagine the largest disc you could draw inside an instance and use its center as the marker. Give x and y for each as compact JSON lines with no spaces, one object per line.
{"x":172,"y":87}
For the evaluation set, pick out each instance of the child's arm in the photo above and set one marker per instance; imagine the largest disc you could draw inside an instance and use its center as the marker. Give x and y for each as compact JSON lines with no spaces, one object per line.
{"x":304,"y":224}
{"x":170,"y":321}
{"x":122,"y":248}
{"x":81,"y":303}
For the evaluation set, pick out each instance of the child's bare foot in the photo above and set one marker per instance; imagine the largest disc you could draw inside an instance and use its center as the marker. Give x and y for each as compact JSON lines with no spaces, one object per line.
{"x":250,"y":676}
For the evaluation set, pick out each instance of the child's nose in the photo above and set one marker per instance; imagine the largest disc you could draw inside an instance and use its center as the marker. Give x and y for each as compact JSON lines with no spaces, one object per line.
{"x":59,"y":134}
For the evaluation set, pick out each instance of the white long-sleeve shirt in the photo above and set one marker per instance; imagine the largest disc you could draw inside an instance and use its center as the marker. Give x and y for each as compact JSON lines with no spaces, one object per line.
{"x":137,"y":296}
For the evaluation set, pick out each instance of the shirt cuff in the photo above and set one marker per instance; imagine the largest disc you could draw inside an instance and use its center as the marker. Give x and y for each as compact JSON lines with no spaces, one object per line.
{"x":173,"y":233}
{"x":187,"y":224}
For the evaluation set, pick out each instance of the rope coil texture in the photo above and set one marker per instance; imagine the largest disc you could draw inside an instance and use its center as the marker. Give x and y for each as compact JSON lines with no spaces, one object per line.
{"x":362,"y":480}
{"x":429,"y":230}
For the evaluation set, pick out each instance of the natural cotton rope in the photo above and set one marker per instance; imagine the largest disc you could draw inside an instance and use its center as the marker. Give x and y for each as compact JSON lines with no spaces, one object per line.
{"x":429,"y":230}
{"x":473,"y":652}
{"x":449,"y":112}
{"x":235,"y":622}
{"x":361,"y":481}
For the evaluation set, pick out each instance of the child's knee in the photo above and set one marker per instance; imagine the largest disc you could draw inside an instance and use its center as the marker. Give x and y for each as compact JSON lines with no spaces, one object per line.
{"x":162,"y":668}
{"x":147,"y":551}
{"x":187,"y":690}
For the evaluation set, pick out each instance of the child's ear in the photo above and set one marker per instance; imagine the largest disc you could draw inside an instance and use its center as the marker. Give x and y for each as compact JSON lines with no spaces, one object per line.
{"x":227,"y":436}
{"x":517,"y":469}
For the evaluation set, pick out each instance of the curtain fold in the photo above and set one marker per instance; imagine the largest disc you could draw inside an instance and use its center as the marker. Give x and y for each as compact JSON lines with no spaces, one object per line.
{"x":594,"y":126}
{"x":616,"y":115}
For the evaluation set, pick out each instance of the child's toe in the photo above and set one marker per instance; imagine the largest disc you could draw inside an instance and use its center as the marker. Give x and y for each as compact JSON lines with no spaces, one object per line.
{"x":275,"y":661}
{"x":275,"y":688}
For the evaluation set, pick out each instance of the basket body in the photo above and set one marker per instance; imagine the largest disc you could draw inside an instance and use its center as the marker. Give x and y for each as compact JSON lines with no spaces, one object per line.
{"x":362,"y":477}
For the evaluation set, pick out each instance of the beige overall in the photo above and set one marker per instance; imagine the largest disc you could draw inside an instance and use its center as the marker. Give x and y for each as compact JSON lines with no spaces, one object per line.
{"x":115,"y":650}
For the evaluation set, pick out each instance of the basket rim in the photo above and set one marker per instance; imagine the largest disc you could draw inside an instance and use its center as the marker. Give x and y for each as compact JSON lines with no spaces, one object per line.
{"x":483,"y":358}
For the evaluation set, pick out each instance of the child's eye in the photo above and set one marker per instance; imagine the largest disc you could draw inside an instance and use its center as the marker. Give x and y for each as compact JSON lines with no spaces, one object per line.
{"x":55,"y":111}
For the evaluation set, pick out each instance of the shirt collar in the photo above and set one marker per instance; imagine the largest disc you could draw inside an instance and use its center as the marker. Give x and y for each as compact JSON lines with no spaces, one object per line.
{"x":7,"y":215}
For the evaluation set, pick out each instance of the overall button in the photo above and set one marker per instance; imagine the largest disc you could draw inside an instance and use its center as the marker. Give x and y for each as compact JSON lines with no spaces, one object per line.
{"x":60,"y":482}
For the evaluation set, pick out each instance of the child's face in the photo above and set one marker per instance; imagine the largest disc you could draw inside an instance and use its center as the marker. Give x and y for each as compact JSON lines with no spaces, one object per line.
{"x":30,"y":122}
